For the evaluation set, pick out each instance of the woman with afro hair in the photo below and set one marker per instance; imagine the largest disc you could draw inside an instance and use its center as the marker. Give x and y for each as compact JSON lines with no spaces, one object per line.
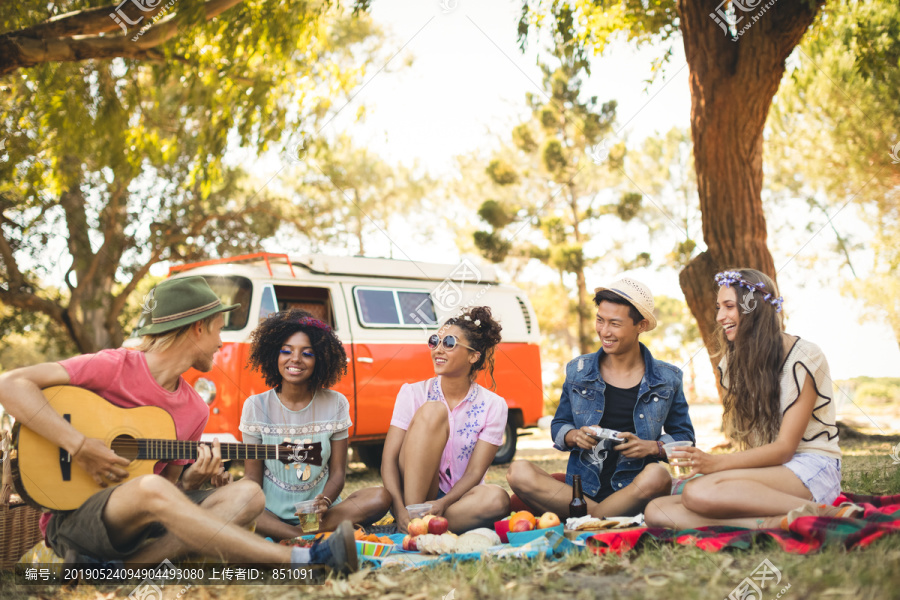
{"x":445,"y":431}
{"x":300,"y":357}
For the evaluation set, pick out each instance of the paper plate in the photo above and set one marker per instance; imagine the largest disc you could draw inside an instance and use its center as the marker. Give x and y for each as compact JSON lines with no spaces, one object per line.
{"x":520,"y":538}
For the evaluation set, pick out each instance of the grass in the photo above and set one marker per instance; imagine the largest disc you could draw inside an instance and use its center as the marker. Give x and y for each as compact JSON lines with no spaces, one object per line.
{"x":654,"y":572}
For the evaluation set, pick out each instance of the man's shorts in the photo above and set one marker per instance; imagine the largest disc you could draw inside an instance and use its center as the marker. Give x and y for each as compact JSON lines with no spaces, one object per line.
{"x":84,"y":531}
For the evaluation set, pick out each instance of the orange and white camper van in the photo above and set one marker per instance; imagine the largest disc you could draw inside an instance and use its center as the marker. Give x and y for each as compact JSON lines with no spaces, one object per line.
{"x":383,"y":310}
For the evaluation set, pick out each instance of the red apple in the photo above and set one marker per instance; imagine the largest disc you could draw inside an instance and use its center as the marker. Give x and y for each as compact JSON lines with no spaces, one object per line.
{"x":547,"y":520}
{"x":437,"y":525}
{"x":521,"y":525}
{"x":417,"y":527}
{"x":409,"y":544}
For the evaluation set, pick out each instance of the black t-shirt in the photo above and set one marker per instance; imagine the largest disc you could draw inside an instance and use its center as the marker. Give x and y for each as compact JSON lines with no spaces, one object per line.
{"x":618,"y":414}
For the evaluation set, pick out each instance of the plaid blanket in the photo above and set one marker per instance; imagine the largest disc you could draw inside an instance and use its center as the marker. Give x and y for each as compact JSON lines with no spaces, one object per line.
{"x":807,"y":534}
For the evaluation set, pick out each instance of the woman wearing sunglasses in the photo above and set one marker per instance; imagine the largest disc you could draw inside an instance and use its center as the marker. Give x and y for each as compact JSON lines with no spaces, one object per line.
{"x":445,"y":431}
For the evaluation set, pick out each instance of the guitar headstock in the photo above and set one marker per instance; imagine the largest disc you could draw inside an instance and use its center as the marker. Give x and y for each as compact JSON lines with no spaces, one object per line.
{"x":307,"y":454}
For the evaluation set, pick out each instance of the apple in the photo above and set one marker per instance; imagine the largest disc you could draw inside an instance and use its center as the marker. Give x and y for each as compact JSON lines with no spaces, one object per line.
{"x":409,"y":544}
{"x":521,"y":525}
{"x":437,"y":525}
{"x":427,"y":518}
{"x":547,"y":520}
{"x":417,"y":527}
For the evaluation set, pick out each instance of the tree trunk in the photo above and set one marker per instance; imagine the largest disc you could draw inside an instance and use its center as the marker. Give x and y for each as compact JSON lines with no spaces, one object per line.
{"x":585,"y":332}
{"x":585,"y":318}
{"x":732,"y":82}
{"x":360,"y":215}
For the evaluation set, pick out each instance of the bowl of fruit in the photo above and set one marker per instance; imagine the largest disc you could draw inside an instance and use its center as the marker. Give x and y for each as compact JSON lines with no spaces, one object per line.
{"x":372,"y":545}
{"x":524,"y":527}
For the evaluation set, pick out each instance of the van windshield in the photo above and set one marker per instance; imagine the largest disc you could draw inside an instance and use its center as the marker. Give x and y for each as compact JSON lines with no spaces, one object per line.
{"x":231,"y":289}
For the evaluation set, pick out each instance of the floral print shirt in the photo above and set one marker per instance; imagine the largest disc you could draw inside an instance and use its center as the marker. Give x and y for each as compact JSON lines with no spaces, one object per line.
{"x":480,"y":416}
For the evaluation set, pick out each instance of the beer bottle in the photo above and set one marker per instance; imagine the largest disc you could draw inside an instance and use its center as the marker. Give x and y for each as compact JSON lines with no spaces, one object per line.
{"x":578,"y":507}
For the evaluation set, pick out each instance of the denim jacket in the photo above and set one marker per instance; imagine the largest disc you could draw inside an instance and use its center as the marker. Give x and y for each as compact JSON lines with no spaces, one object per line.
{"x":660,"y":405}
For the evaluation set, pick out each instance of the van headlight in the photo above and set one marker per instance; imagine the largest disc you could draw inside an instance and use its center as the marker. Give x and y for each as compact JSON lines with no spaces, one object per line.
{"x":206,"y":389}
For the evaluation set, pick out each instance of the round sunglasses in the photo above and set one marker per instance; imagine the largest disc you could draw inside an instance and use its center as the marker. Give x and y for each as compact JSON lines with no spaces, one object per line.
{"x":449,"y":341}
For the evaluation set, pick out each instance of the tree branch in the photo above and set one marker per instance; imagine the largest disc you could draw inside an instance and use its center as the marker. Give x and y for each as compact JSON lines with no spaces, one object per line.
{"x":22,"y":51}
{"x":119,"y":301}
{"x":9,"y":259}
{"x":90,"y":21}
{"x":14,"y":294}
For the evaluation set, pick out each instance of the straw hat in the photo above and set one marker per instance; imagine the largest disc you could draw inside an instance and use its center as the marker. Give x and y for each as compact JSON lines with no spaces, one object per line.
{"x":180,"y":302}
{"x":637,"y":294}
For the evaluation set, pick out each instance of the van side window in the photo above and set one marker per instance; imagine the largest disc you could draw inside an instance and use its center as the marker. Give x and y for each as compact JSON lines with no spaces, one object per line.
{"x":385,"y":307}
{"x":416,"y":308}
{"x":377,"y":307}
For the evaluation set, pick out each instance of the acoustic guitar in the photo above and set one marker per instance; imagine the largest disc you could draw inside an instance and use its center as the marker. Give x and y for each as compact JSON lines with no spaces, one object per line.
{"x":45,"y":476}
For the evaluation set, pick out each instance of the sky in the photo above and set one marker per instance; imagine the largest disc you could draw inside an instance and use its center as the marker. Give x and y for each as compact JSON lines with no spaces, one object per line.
{"x":464,"y":91}
{"x":466,"y":88}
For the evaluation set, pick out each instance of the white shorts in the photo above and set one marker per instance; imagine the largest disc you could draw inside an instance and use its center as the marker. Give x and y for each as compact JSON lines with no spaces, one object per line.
{"x":820,"y":474}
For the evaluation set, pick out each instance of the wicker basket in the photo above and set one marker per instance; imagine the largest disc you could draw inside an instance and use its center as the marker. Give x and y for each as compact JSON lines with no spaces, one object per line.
{"x":19,"y":530}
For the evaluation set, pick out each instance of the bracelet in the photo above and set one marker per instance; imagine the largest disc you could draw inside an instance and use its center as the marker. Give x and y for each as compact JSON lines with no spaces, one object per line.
{"x":662,"y":451}
{"x":327,"y":499}
{"x":80,"y":446}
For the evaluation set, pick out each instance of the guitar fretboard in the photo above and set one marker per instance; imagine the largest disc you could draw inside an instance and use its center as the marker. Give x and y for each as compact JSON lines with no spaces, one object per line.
{"x":180,"y":450}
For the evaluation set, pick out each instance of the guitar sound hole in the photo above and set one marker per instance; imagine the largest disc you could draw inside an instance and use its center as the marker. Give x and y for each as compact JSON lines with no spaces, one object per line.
{"x":125,"y":446}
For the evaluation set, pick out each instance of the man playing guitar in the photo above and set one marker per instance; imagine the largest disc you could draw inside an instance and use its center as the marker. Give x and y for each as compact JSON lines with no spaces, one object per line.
{"x":168,"y":508}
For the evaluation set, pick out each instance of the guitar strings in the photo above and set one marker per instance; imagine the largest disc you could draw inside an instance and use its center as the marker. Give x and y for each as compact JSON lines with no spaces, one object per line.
{"x":162,"y":446}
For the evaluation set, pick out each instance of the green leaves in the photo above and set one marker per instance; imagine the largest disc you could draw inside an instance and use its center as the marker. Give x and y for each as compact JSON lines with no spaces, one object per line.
{"x":495,"y":214}
{"x":502,"y":172}
{"x":125,"y":162}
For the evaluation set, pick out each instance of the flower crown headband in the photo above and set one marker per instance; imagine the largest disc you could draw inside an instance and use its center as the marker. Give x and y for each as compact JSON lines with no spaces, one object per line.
{"x":311,"y":322}
{"x":726,"y":278}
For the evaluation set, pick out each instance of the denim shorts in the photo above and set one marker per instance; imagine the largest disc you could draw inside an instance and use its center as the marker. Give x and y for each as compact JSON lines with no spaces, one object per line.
{"x":820,"y":474}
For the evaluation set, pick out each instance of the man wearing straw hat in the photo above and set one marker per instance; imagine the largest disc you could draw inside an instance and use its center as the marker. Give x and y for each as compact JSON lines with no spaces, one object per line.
{"x":620,"y":387}
{"x":167,"y":508}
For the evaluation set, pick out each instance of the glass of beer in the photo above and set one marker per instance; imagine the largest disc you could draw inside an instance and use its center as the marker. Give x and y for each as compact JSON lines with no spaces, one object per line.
{"x":679,"y":462}
{"x":309,"y":518}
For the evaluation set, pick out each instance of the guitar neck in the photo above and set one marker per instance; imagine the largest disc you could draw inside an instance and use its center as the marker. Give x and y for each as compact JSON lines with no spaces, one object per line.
{"x":178,"y":450}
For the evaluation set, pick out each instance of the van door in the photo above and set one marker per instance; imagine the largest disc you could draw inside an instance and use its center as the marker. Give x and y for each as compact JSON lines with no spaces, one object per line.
{"x":389,"y":349}
{"x":324,"y":302}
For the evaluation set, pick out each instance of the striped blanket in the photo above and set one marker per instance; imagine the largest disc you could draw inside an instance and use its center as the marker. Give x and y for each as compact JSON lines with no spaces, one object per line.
{"x":807,"y":534}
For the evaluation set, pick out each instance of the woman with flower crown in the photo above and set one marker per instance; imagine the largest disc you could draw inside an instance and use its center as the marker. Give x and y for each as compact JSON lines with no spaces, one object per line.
{"x":445,"y":431}
{"x":779,"y":411}
{"x":300,"y":357}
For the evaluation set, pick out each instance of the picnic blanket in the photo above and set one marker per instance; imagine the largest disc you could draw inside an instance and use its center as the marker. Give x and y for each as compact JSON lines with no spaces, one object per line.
{"x":550,"y":545}
{"x":807,"y":534}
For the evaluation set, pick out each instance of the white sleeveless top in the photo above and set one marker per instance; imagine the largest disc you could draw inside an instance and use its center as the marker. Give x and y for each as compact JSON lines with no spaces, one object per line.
{"x":805,"y":359}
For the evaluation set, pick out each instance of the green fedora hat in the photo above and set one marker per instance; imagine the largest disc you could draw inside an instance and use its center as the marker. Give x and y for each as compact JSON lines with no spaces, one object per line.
{"x":175,"y":303}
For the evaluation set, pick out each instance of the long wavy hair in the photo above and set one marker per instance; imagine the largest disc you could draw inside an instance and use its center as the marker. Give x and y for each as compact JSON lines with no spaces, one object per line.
{"x":753,"y":362}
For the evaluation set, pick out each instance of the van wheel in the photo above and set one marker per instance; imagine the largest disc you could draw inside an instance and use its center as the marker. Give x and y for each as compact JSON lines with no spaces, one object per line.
{"x":370,"y":454}
{"x":508,"y":447}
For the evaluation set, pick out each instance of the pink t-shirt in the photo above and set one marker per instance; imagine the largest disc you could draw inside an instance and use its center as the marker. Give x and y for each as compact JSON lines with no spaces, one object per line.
{"x":123,"y":378}
{"x":480,"y":416}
